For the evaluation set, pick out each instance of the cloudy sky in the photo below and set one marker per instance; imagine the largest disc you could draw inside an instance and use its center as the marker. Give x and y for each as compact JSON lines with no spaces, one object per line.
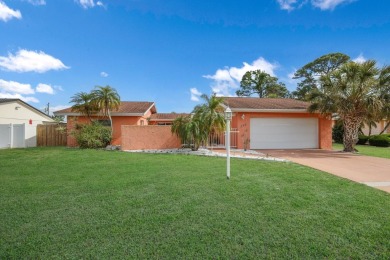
{"x":172,"y":51}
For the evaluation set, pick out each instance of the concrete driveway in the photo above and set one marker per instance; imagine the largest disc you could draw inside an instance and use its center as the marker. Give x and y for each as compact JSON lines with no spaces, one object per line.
{"x":372,"y":171}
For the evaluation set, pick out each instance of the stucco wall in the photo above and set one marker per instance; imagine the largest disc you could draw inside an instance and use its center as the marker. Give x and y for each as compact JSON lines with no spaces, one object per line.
{"x":376,"y":130}
{"x":241,"y":121}
{"x":148,"y":137}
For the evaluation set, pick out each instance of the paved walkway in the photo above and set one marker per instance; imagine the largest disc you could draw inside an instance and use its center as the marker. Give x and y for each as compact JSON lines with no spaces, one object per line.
{"x":372,"y":171}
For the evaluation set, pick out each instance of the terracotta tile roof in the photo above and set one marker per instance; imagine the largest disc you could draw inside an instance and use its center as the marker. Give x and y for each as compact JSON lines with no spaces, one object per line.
{"x":166,"y":116}
{"x":126,"y":107}
{"x":254,"y":103}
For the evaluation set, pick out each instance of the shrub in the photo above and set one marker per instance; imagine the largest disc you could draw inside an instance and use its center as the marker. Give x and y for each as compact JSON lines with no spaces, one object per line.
{"x":363,"y":139}
{"x":379,"y":140}
{"x":338,"y":132}
{"x":92,"y":135}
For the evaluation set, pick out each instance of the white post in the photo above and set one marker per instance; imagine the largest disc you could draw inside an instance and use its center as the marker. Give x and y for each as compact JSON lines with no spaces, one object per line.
{"x":228,"y":148}
{"x":228,"y":117}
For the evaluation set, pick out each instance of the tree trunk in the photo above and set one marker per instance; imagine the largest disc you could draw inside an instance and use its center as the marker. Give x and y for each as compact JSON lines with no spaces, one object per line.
{"x":112,"y":127}
{"x":351,"y":132}
{"x":384,"y":128}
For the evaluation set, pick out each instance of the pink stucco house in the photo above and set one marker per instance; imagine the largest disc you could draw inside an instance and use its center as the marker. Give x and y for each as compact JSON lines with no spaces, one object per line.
{"x":278,"y":123}
{"x":259,"y":123}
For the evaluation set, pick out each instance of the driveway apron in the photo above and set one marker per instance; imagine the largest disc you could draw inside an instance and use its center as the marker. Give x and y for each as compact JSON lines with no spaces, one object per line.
{"x":372,"y":171}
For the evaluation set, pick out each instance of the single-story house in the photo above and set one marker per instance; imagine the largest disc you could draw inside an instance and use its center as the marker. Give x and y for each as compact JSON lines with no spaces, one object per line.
{"x":18,"y":123}
{"x":278,"y":123}
{"x":128,"y":113}
{"x":258,"y":123}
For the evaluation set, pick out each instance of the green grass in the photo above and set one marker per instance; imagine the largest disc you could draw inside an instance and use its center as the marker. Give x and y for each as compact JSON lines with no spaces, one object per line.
{"x":69,"y":203}
{"x":383,"y":152}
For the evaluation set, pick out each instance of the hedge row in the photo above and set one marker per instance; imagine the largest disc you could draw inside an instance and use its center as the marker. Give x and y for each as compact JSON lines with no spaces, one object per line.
{"x":375,"y":140}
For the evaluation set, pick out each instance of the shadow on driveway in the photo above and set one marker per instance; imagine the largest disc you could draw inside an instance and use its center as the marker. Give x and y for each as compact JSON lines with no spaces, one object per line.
{"x":372,"y":171}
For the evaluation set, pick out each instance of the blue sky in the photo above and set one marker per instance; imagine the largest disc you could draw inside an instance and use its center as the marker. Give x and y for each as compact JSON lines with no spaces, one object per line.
{"x":171,"y":51}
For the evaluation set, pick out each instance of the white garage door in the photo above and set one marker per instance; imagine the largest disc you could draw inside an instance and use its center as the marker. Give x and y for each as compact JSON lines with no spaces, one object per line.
{"x":283,"y":133}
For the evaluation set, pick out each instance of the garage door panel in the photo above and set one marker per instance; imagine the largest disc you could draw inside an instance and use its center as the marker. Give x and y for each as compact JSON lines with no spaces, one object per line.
{"x":284,"y":133}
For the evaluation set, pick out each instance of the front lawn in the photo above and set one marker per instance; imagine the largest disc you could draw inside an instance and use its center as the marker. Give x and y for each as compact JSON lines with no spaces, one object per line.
{"x":69,"y":203}
{"x":383,"y":152}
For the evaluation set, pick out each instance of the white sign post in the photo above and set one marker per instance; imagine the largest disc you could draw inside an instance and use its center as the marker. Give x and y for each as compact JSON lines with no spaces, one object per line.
{"x":228,"y":117}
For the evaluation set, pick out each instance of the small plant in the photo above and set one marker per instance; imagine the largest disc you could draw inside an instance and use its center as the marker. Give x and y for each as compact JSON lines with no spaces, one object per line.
{"x":92,"y":135}
{"x":379,"y":140}
{"x":363,"y":139}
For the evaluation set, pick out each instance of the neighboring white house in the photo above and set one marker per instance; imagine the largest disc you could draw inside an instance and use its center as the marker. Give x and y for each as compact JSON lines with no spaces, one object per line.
{"x":18,"y":123}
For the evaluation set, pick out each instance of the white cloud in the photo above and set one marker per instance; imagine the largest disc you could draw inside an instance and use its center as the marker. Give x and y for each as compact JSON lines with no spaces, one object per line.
{"x":15,"y":87}
{"x":100,"y":3}
{"x":86,"y":3}
{"x":44,"y":88}
{"x":228,"y":79}
{"x":287,"y":4}
{"x":26,"y":99}
{"x":37,"y":2}
{"x":89,"y":3}
{"x":58,"y":88}
{"x":328,"y":4}
{"x":290,"y":5}
{"x":7,"y":13}
{"x":104,"y":74}
{"x":195,"y":94}
{"x":360,"y":59}
{"x":25,"y":61}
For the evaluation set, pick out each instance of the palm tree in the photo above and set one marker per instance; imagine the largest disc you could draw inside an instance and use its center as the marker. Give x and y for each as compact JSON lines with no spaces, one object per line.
{"x":353,"y":92}
{"x":106,"y":99}
{"x":83,"y":104}
{"x":190,"y":130}
{"x":384,"y":80}
{"x":205,"y":119}
{"x":211,"y":113}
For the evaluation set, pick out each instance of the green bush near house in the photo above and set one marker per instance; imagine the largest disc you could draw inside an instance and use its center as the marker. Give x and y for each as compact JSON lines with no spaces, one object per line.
{"x":379,"y":140}
{"x":363,"y":139}
{"x":92,"y":136}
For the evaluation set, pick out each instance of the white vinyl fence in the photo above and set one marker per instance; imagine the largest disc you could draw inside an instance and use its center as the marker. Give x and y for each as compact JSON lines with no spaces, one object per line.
{"x":12,"y":136}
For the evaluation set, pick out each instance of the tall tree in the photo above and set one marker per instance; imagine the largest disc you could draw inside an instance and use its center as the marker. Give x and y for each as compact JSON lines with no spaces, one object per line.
{"x":353,"y":91}
{"x":82,"y":103}
{"x":262,"y":84}
{"x":311,"y":73}
{"x":106,"y":99}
